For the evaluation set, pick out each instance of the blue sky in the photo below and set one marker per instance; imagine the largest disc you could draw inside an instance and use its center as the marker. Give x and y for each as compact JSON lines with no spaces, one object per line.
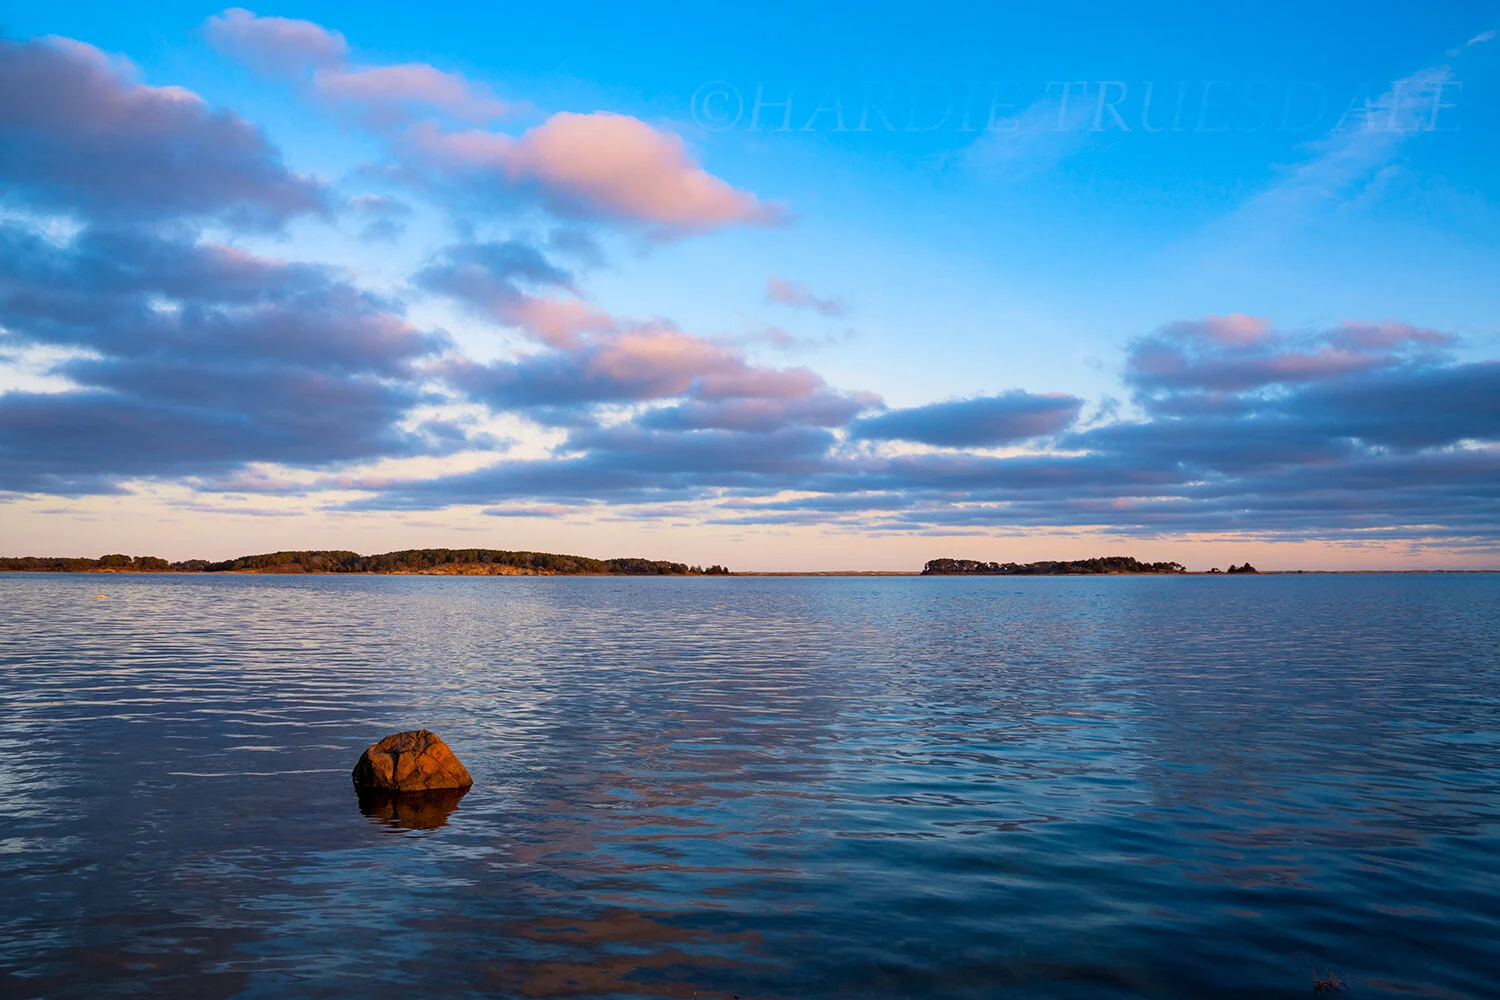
{"x":1177,"y":331}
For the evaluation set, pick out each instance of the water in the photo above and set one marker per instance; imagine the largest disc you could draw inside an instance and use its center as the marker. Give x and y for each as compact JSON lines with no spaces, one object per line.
{"x":989,"y":787}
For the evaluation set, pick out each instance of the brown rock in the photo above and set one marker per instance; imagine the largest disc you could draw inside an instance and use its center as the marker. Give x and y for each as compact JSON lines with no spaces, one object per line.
{"x":411,"y":762}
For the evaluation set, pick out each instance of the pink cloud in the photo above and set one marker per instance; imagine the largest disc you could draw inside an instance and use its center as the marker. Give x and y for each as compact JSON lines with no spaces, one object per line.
{"x":1326,"y":362}
{"x":1168,"y":365}
{"x":660,"y":355}
{"x":600,"y":164}
{"x":1236,"y":353}
{"x":277,"y":45}
{"x":797,"y":295}
{"x":1384,"y":336}
{"x":673,"y":362}
{"x":392,"y":94}
{"x":1232,"y":330}
{"x":642,"y":362}
{"x":555,"y":322}
{"x":385,"y":95}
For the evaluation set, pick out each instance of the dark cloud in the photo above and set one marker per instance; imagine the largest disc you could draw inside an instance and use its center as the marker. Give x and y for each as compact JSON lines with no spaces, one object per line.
{"x":77,"y":133}
{"x":649,"y":362}
{"x":488,"y":277}
{"x":1403,"y":448}
{"x":1409,"y":407}
{"x":147,"y":299}
{"x":194,"y":359}
{"x":629,"y":464}
{"x":1238,"y":353}
{"x":974,"y":423}
{"x":177,"y":422}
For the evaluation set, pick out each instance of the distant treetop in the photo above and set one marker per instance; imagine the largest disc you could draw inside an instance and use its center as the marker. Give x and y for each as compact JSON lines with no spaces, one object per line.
{"x":1101,"y":565}
{"x":477,"y":562}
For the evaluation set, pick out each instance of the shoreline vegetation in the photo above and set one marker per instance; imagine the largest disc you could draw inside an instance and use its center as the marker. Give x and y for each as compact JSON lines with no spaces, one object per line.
{"x":499,"y":562}
{"x":1099,"y":566}
{"x":422,"y":562}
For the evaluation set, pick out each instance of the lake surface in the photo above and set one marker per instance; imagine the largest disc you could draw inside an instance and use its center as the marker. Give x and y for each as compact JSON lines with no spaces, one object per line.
{"x":993,"y":787}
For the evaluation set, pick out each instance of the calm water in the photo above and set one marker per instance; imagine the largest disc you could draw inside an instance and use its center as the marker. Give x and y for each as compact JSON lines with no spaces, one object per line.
{"x":777,"y":787}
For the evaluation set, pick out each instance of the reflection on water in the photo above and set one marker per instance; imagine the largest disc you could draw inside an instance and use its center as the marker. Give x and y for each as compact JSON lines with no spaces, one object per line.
{"x":781,"y":788}
{"x":621,"y":953}
{"x":409,"y":810}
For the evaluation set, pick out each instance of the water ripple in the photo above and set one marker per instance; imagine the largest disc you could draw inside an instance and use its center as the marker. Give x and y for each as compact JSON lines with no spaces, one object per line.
{"x":777,"y":787}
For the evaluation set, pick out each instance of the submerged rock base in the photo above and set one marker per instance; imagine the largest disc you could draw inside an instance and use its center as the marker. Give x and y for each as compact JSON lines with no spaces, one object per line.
{"x":410,"y":810}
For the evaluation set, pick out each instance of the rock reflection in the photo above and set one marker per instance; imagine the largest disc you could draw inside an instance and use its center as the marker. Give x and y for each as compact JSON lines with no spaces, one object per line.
{"x":410,"y":810}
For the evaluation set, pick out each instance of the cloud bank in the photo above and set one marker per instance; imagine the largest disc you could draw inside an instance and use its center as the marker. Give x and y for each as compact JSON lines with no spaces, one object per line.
{"x":185,"y":359}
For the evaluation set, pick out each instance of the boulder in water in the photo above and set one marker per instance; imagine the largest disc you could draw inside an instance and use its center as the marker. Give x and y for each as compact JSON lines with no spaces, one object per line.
{"x":415,"y":761}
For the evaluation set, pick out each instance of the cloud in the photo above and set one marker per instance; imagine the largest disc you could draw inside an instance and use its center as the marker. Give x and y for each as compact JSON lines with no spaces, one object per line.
{"x":192,"y":359}
{"x":176,"y":421}
{"x":277,"y":45}
{"x":1408,"y":407}
{"x":598,"y":165}
{"x":1231,"y":354}
{"x":486,"y":276}
{"x":1404,"y":448}
{"x":790,"y":293}
{"x":497,"y":280}
{"x":77,"y":133}
{"x":638,"y":363}
{"x":628,"y":464}
{"x":384,"y":217}
{"x":390,"y":95}
{"x":595,"y":359}
{"x":985,"y":422}
{"x":384,"y":96}
{"x":579,"y":244}
{"x":1235,"y":329}
{"x":188,"y":360}
{"x":1352,"y":160}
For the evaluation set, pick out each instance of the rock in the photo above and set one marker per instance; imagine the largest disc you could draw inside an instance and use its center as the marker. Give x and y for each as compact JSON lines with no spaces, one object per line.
{"x":416,"y":761}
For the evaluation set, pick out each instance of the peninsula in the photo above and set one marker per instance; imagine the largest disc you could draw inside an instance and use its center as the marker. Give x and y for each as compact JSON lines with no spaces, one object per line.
{"x":1102,"y":565}
{"x":430,"y":562}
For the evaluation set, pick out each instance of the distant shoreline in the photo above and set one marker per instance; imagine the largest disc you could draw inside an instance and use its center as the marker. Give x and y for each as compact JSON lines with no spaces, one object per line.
{"x":763,"y":574}
{"x":501,"y":562}
{"x":405,"y":562}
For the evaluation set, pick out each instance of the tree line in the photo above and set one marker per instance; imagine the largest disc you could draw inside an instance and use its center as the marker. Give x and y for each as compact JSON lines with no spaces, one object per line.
{"x":339,"y":561}
{"x":1076,"y":567}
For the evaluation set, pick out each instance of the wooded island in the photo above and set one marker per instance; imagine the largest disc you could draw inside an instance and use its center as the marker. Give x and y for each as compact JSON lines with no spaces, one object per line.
{"x":1077,"y":567}
{"x":436,"y":562}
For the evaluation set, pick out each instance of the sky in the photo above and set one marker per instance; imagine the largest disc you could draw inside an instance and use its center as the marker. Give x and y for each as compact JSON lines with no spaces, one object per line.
{"x":779,"y":287}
